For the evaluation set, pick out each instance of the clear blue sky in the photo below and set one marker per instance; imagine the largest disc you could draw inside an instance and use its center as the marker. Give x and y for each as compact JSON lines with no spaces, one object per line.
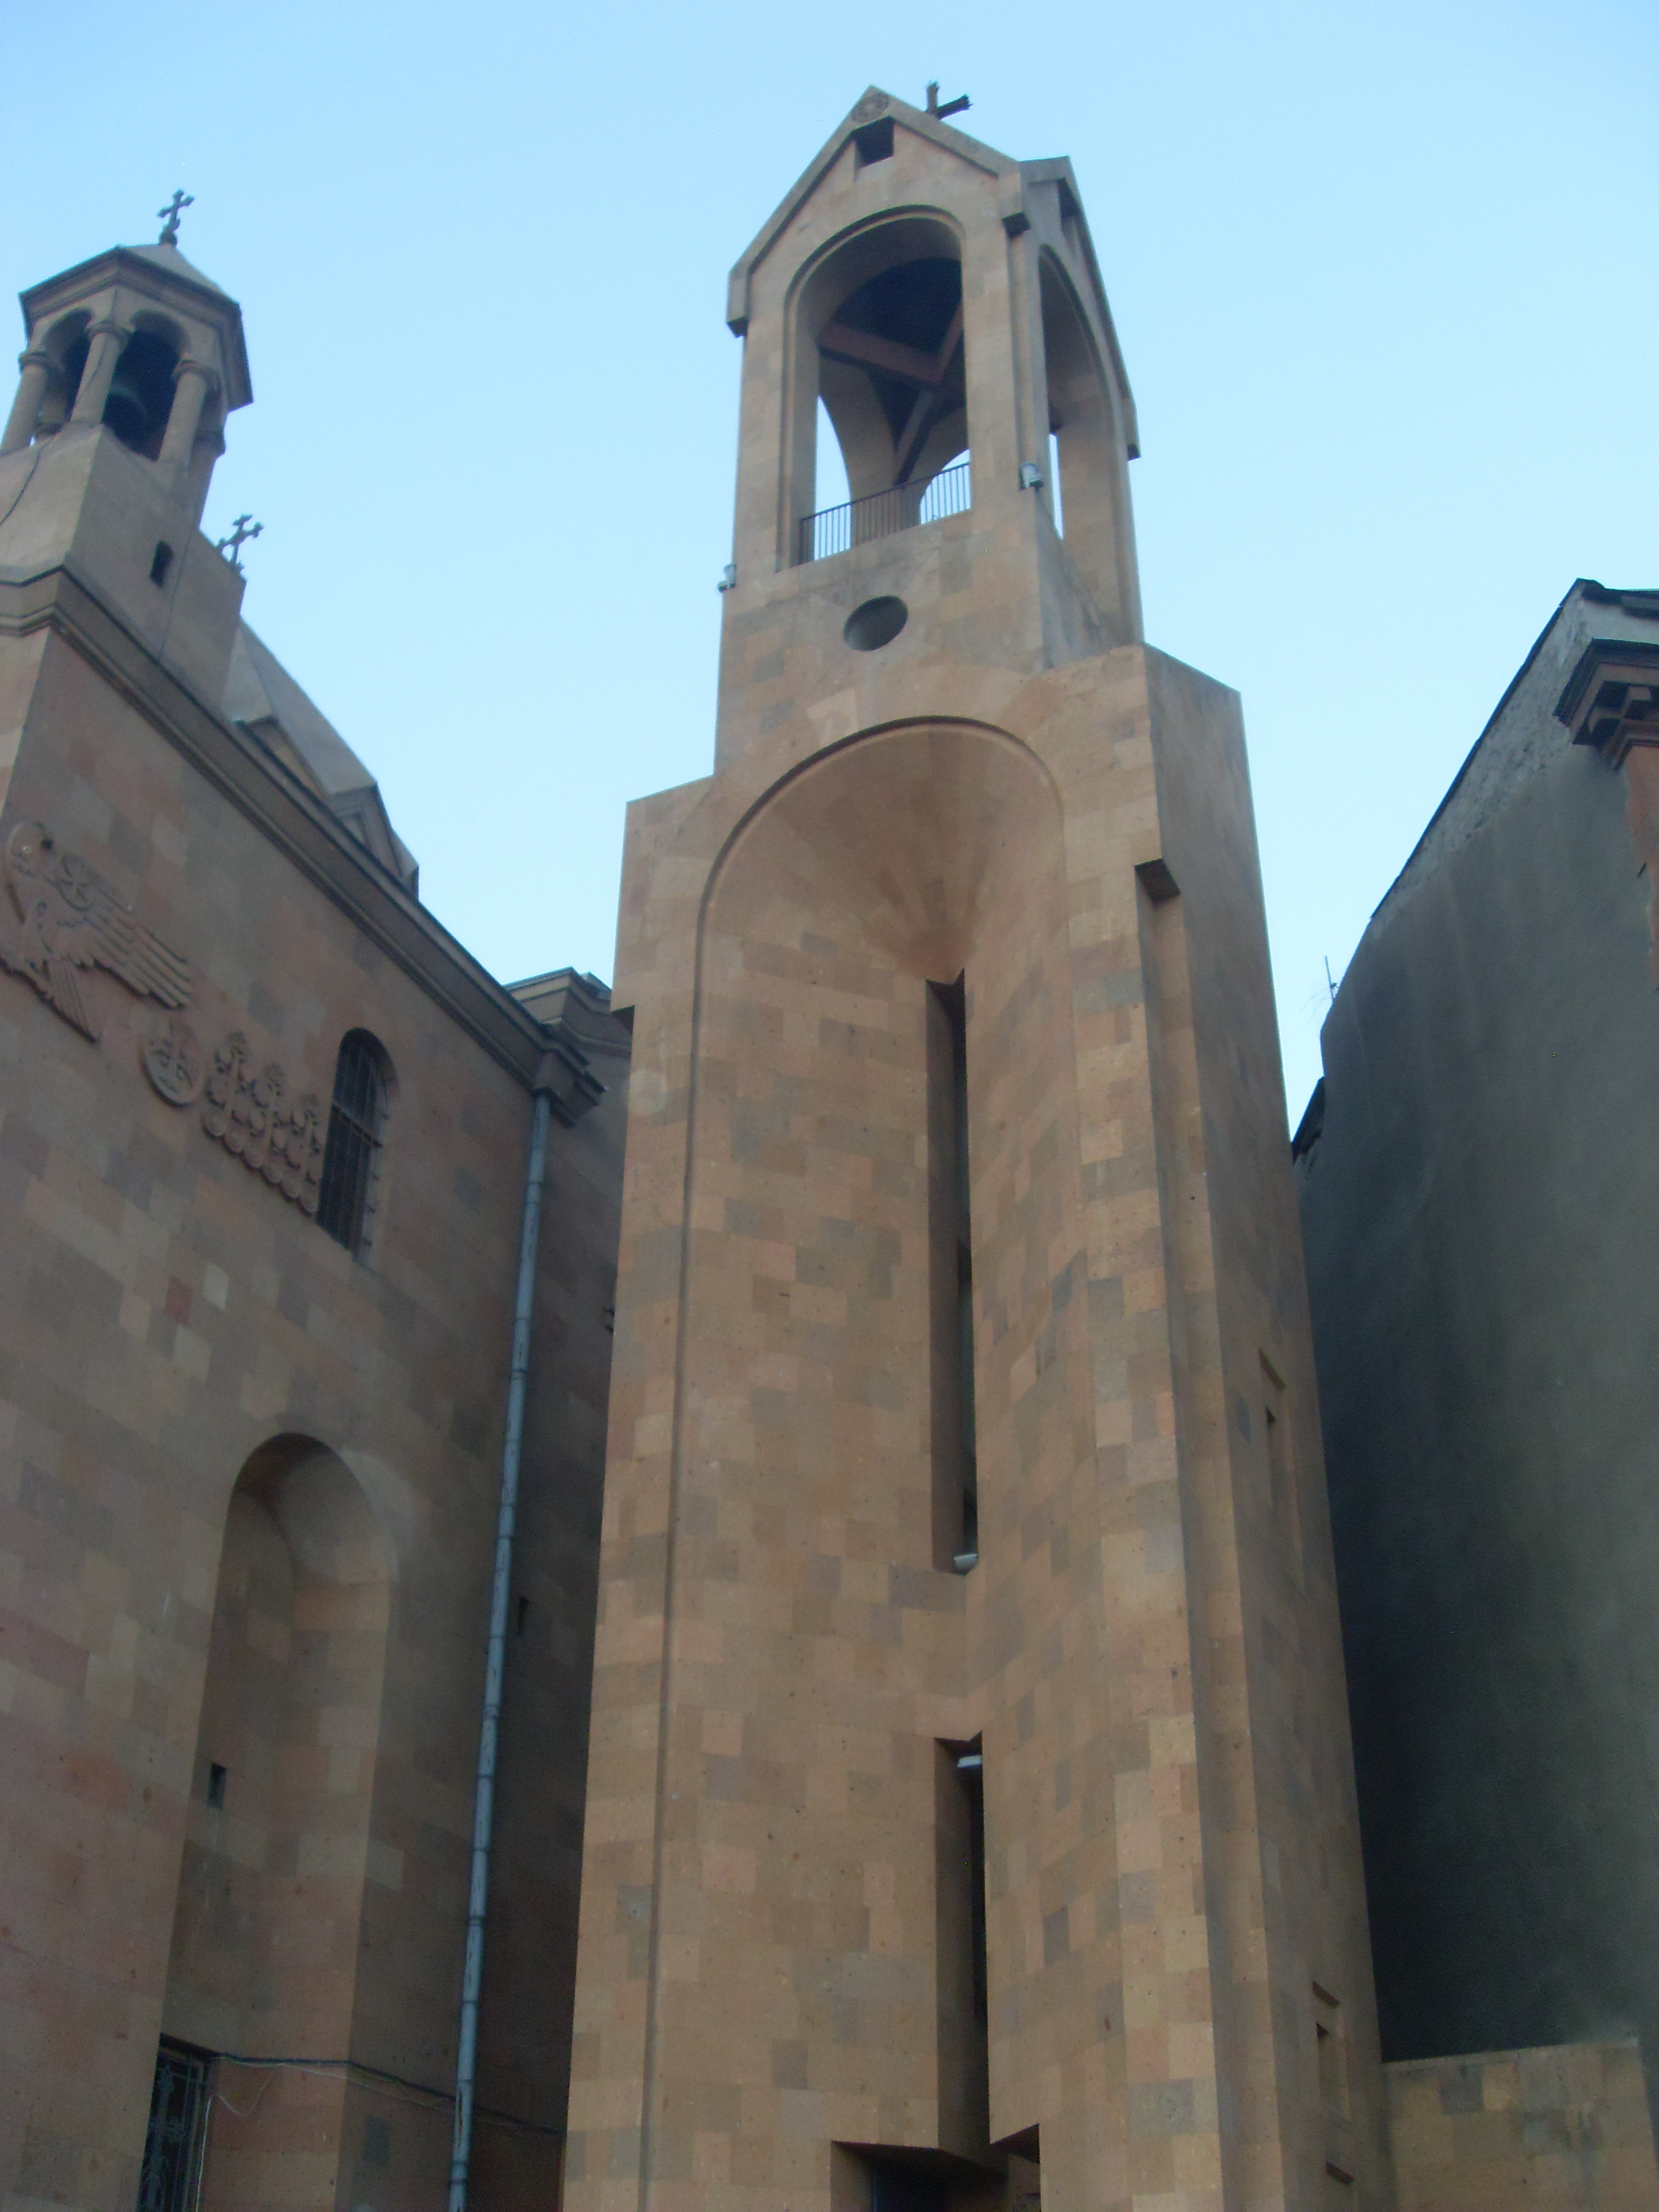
{"x":1383,"y":279}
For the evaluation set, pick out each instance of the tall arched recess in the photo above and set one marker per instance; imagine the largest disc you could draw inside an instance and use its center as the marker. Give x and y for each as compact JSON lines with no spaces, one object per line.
{"x":877,"y":332}
{"x":822,"y":1451}
{"x":267,"y":1924}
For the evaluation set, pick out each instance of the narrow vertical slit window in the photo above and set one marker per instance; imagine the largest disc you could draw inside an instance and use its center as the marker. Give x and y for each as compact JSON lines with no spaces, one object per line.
{"x":357,"y":1127}
{"x":970,"y":1770}
{"x":956,"y":1479}
{"x":962,"y":1969}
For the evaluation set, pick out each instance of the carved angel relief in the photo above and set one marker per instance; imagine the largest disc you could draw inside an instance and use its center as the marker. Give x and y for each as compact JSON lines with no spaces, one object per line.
{"x":71,"y":919}
{"x":244,"y":1111}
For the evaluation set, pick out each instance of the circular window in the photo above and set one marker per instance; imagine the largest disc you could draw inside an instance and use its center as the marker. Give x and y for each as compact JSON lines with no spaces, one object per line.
{"x":874,"y":624}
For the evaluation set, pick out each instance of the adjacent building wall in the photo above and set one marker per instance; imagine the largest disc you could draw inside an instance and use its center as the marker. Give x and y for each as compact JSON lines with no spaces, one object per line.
{"x":1561,"y":2130}
{"x":1479,"y":1208}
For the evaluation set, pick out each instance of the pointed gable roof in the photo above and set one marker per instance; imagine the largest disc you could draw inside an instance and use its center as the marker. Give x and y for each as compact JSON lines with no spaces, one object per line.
{"x":1014,"y":177}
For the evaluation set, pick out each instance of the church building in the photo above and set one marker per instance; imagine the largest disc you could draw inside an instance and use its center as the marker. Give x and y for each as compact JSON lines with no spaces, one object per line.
{"x":717,"y":1595}
{"x":265,"y":1132}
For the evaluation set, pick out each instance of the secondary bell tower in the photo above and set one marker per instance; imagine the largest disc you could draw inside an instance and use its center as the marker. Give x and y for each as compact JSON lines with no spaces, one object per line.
{"x":971,"y":1818}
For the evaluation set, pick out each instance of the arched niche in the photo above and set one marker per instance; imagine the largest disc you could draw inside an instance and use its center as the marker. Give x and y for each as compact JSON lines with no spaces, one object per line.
{"x":807,"y":1493}
{"x":269,"y":1905}
{"x":1085,"y":424}
{"x":876,"y":323}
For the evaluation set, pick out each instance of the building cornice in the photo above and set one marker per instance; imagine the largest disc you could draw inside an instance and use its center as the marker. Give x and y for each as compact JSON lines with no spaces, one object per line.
{"x":295,"y":822}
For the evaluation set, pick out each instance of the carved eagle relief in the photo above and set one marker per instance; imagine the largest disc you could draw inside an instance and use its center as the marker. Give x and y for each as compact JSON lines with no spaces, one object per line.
{"x":70,"y":918}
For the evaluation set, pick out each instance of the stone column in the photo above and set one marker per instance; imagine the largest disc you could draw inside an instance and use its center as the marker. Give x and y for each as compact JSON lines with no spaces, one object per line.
{"x":106,"y":342}
{"x":26,"y":408}
{"x":192,"y":380}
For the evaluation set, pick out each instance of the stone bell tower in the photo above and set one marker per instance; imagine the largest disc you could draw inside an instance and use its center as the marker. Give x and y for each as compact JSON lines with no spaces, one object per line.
{"x":134,"y":359}
{"x":971,"y":1818}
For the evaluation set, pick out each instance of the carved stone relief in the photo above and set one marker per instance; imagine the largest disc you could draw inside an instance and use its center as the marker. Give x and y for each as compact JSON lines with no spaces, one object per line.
{"x":173,"y":1060}
{"x":243,"y":1109}
{"x":70,"y":918}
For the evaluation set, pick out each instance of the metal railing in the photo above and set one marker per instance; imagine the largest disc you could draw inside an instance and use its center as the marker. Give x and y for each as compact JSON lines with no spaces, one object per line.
{"x":880,"y":514}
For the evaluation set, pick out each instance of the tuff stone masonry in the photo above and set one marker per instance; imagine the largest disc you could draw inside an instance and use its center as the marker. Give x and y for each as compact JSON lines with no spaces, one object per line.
{"x":248,"y":1468}
{"x":945,"y":751}
{"x":896,"y":1759}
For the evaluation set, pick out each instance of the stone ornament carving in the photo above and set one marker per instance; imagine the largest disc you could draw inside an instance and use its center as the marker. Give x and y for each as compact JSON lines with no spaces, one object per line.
{"x":173,"y":1060}
{"x":872,"y":104}
{"x":244,"y":1110}
{"x":68,"y":918}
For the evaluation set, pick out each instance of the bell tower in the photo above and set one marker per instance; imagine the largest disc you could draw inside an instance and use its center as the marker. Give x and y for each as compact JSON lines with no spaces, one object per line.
{"x":133,"y":362}
{"x":971,"y":1818}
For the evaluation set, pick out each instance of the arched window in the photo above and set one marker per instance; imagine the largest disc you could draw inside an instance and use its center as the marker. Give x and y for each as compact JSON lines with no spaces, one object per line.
{"x":356,"y":1125}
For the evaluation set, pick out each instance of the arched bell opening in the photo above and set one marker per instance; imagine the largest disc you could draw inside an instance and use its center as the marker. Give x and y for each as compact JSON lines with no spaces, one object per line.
{"x":269,"y":1905}
{"x":1089,"y":455}
{"x":65,"y":346}
{"x":141,"y":391}
{"x":880,"y":355}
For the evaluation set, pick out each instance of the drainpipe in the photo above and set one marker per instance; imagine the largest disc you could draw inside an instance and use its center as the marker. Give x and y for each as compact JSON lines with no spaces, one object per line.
{"x":483,"y":1807}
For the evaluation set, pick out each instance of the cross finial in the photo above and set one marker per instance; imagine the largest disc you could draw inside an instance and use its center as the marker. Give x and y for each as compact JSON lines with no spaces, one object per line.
{"x":951,"y":106}
{"x":239,"y":535}
{"x":170,"y":215}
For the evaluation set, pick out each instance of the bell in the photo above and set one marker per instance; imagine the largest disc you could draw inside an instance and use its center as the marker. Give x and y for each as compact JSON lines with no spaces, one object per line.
{"x":127,"y":411}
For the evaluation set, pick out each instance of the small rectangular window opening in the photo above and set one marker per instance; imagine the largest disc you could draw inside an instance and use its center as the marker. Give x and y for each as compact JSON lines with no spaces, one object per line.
{"x":522,"y":1617}
{"x":874,"y":141}
{"x":160,"y":561}
{"x":216,"y":1788}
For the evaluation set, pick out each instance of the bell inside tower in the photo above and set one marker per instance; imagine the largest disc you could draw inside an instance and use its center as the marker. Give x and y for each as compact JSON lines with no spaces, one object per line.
{"x":140,"y":393}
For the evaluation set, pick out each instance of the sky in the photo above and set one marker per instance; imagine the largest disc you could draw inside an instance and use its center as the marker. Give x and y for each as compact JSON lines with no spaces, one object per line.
{"x":1381,"y":278}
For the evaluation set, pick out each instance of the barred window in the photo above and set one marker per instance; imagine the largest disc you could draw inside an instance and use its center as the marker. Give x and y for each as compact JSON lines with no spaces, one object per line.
{"x":356,"y":1124}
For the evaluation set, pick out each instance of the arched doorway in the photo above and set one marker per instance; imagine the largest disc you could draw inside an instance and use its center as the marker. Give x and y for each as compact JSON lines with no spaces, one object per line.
{"x":266,"y":1926}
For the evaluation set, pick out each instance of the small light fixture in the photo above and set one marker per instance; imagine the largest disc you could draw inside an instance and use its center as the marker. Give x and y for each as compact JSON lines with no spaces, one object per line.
{"x":964,"y":1562}
{"x":728,"y":577}
{"x":970,"y":1762}
{"x":1030,"y":476}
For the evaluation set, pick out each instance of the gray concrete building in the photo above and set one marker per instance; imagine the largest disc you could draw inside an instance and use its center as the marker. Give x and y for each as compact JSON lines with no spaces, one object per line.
{"x":1479,"y":1180}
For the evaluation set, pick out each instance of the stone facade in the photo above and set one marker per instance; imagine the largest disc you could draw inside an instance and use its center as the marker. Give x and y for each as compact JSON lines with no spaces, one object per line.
{"x":1562,"y":2129}
{"x":248,"y":1470}
{"x":945,"y":752}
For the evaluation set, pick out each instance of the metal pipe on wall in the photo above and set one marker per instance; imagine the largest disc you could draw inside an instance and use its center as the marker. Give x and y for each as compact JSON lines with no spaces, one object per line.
{"x":483,"y":1808}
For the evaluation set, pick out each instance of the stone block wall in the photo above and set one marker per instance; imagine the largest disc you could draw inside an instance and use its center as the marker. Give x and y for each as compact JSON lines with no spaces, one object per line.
{"x":1563,"y":2129}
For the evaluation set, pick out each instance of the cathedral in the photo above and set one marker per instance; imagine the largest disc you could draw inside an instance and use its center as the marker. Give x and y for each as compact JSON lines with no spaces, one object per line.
{"x":718,"y":1595}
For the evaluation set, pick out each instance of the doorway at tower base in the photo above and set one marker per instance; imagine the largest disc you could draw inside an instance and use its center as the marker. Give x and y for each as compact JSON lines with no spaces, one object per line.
{"x":1561,"y":2128}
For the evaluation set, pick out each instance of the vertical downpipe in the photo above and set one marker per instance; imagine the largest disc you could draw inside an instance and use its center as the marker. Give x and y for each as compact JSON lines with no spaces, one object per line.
{"x":483,"y":1807}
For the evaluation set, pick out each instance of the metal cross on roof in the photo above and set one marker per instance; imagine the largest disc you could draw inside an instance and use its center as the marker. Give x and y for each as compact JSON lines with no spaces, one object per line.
{"x":170,"y":215}
{"x":951,"y":106}
{"x":239,"y":535}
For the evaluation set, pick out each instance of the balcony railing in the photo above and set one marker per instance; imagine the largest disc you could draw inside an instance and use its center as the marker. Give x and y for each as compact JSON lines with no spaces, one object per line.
{"x":881,"y":513}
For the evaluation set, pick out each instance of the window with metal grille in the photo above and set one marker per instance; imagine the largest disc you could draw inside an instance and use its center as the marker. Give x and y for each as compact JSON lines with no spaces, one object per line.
{"x":357,"y":1123}
{"x":172,"y":2176}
